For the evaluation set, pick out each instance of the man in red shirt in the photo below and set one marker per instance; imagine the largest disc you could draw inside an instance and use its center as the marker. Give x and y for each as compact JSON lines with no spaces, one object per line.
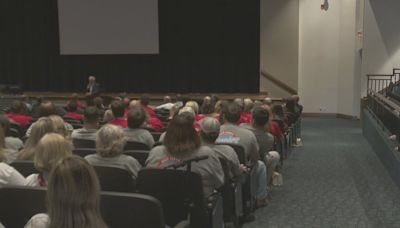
{"x":145,"y":101}
{"x":118,"y":110}
{"x":17,"y":114}
{"x":72,"y":109}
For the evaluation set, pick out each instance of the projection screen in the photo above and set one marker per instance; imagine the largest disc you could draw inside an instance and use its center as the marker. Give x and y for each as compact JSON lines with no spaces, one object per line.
{"x":92,"y":27}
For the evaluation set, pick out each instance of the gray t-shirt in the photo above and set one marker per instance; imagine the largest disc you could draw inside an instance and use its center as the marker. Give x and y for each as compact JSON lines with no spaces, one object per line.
{"x":229,"y":155}
{"x":265,"y":139}
{"x":139,"y":135}
{"x":84,"y":133}
{"x":122,"y":161}
{"x":210,"y":169}
{"x":230,"y":133}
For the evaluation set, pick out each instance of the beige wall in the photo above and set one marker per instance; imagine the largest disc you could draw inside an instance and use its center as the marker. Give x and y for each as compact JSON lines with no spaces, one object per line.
{"x":279,"y":44}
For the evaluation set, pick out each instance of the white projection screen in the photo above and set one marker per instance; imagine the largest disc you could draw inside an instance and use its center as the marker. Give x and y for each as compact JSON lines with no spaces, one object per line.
{"x":93,"y":27}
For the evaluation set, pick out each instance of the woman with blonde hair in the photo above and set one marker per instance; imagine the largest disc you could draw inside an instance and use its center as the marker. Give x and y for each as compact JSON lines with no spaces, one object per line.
{"x":59,"y":126}
{"x":73,"y":197}
{"x":50,"y":150}
{"x":8,"y":175}
{"x":41,"y":127}
{"x":110,"y":145}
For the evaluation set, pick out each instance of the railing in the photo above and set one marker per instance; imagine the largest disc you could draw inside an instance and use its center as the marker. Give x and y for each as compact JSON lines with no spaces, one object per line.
{"x":381,"y":82}
{"x":278,"y":82}
{"x":385,"y":110}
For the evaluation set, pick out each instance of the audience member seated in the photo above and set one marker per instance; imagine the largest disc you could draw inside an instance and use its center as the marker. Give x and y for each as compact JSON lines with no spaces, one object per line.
{"x":9,"y":154}
{"x":41,"y":127}
{"x":231,"y":132}
{"x":8,"y":175}
{"x":118,"y":110}
{"x":98,"y":103}
{"x":292,"y":112}
{"x":135,"y":132}
{"x":167,"y":103}
{"x":18,"y":114}
{"x":248,"y":106}
{"x":13,"y":143}
{"x":209,"y":132}
{"x":60,"y":127}
{"x":51,"y":149}
{"x":267,"y":101}
{"x":72,"y":113}
{"x":73,"y":197}
{"x":182,"y":143}
{"x":153,"y":123}
{"x":145,"y":101}
{"x":207,"y":108}
{"x":75,"y":99}
{"x":90,"y":125}
{"x":110,"y":147}
{"x":195,"y":107}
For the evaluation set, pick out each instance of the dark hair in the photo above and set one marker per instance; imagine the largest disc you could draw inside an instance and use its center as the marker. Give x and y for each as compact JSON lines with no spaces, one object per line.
{"x":207,"y":108}
{"x":91,"y":114}
{"x":72,"y":106}
{"x":278,"y":110}
{"x":260,"y":117}
{"x":209,"y":137}
{"x":232,"y":112}
{"x":145,"y":100}
{"x":136,"y":117}
{"x":181,"y":137}
{"x":47,"y":108}
{"x":290,"y":104}
{"x":73,"y":195}
{"x":117,"y":109}
{"x":17,"y":107}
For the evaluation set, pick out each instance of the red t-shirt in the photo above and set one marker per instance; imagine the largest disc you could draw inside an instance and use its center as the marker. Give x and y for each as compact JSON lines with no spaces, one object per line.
{"x":74,"y":115}
{"x":245,"y":118}
{"x":122,"y":122}
{"x":150,"y":111}
{"x":156,"y":124}
{"x":199,"y":117}
{"x":275,"y":130}
{"x":22,"y":120}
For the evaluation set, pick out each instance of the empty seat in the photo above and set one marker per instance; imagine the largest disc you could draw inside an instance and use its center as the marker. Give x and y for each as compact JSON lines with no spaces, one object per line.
{"x":83,"y":143}
{"x":115,"y":179}
{"x":140,"y":155}
{"x":26,"y":168}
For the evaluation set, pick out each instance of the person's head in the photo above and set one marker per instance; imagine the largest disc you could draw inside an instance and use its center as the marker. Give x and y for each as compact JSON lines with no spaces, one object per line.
{"x":126,"y":102}
{"x":18,"y":107}
{"x":117,"y":109}
{"x":73,"y":195}
{"x":277,"y":110}
{"x":248,"y":105}
{"x":72,"y":106}
{"x":209,"y":129}
{"x":290,"y":104}
{"x":110,"y":141}
{"x":59,"y":125}
{"x":232,"y":113}
{"x":207,"y":100}
{"x":260,"y":117}
{"x":145,"y":100}
{"x":92,"y":79}
{"x":41,"y":127}
{"x":267,"y":101}
{"x":50,"y":150}
{"x":220,"y":105}
{"x":136,"y":117}
{"x":207,"y":108}
{"x":47,"y":108}
{"x":5,"y":124}
{"x":181,"y":137}
{"x":167,"y":99}
{"x":239,"y":101}
{"x":91,"y":115}
{"x":188,"y":111}
{"x":98,"y":102}
{"x":134,"y":103}
{"x":193,"y":105}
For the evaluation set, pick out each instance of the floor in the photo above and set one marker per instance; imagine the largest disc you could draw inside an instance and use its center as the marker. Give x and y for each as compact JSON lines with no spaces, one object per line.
{"x":334,"y":180}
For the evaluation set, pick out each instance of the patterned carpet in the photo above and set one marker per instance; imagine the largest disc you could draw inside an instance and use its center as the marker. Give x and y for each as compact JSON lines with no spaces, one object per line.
{"x":334,"y":180}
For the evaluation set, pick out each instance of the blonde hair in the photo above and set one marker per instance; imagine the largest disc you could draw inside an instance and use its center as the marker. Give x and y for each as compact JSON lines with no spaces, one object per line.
{"x":50,"y":150}
{"x":110,"y":141}
{"x":59,"y":125}
{"x":41,"y":127}
{"x":193,"y":105}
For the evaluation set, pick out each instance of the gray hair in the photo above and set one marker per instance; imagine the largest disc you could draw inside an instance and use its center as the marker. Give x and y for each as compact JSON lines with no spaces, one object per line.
{"x":110,"y":141}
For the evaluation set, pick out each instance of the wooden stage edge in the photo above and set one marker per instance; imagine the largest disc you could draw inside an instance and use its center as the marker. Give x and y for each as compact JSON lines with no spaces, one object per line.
{"x":153,"y":96}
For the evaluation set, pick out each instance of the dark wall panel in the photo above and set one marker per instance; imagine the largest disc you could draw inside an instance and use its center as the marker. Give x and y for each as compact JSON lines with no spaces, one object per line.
{"x":205,"y":46}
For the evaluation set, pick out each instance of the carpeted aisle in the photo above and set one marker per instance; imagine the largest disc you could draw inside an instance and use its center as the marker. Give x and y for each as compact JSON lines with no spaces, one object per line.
{"x":334,"y":180}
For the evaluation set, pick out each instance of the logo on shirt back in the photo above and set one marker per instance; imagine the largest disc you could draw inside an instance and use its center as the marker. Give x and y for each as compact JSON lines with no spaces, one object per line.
{"x":228,"y":137}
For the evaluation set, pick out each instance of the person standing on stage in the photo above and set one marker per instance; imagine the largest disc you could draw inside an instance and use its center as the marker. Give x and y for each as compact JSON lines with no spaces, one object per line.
{"x":92,"y":88}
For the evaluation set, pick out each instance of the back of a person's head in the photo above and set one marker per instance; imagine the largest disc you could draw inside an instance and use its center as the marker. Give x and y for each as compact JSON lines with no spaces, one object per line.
{"x":277,"y":110}
{"x":17,"y":107}
{"x":267,"y":101}
{"x":91,"y":114}
{"x":248,"y":105}
{"x":260,"y":117}
{"x":59,"y":125}
{"x":207,"y":108}
{"x":72,"y":106}
{"x":167,"y":99}
{"x":47,"y":108}
{"x":50,"y":150}
{"x":41,"y":127}
{"x":110,"y":141}
{"x":73,"y":195}
{"x":5,"y":123}
{"x":117,"y":109}
{"x":232,"y":112}
{"x":188,"y":112}
{"x":136,"y":117}
{"x":98,"y":102}
{"x":181,"y":137}
{"x":145,"y":99}
{"x":290,"y":104}
{"x":209,"y":129}
{"x":193,"y":105}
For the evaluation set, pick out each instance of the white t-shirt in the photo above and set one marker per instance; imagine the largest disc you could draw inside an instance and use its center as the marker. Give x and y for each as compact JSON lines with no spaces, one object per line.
{"x":8,"y":175}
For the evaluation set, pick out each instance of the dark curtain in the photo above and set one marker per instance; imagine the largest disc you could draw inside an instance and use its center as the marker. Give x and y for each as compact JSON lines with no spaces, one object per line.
{"x":205,"y":46}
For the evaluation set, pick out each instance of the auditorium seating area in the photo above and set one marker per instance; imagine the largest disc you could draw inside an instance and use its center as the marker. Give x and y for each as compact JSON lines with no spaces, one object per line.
{"x":170,"y":195}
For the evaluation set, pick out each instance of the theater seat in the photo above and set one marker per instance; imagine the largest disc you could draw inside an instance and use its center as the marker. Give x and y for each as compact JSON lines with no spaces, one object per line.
{"x":26,"y":168}
{"x":115,"y":179}
{"x":83,"y":152}
{"x":83,"y":143}
{"x":132,"y":145}
{"x":119,"y":210}
{"x":239,"y":149}
{"x":140,"y":155}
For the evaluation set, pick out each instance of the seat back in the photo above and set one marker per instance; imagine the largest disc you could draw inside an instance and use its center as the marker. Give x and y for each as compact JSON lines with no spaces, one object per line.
{"x":239,"y":149}
{"x":117,"y":209}
{"x":132,"y":145}
{"x":115,"y":179}
{"x":180,"y":193}
{"x":16,"y":130}
{"x":25,"y":168}
{"x":83,"y":143}
{"x":156,"y":135}
{"x":83,"y":152}
{"x":140,"y":155}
